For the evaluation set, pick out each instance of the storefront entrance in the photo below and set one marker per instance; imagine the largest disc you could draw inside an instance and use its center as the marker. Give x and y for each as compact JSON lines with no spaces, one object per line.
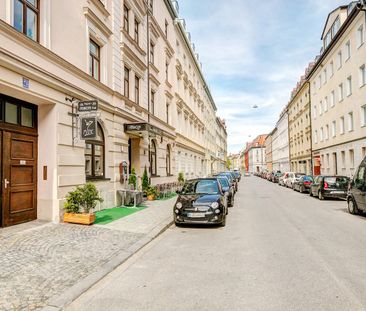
{"x":18,"y":162}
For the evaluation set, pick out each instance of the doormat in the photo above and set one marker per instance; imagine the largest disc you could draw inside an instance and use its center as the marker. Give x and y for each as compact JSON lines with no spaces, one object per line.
{"x":106,"y":216}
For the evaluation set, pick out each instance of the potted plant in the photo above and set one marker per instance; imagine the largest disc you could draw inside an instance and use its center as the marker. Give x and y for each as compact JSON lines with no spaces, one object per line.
{"x":151,"y":193}
{"x":79,"y":204}
{"x":145,"y":181}
{"x":132,"y":179}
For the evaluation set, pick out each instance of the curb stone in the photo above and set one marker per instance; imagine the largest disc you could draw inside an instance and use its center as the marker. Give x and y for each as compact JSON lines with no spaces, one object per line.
{"x":60,"y":301}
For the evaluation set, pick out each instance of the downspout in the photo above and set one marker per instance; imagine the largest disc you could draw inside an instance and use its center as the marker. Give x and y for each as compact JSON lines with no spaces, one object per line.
{"x":311,"y":131}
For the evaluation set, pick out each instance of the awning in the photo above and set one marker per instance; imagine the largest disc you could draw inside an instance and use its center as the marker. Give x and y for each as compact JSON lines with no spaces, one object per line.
{"x":139,"y":128}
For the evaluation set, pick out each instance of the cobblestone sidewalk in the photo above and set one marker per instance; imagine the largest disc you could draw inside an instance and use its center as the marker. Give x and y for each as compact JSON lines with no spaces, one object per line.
{"x":38,"y":263}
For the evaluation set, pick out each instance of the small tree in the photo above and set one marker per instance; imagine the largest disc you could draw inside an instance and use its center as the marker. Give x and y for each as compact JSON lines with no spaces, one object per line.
{"x":181,"y":177}
{"x":90,"y":197}
{"x":132,"y":179}
{"x":228,"y":164}
{"x":82,"y":199}
{"x":145,"y":180}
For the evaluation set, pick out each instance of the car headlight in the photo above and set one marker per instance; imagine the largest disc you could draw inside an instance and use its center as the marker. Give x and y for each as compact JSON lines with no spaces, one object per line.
{"x":215,"y":205}
{"x":178,"y":205}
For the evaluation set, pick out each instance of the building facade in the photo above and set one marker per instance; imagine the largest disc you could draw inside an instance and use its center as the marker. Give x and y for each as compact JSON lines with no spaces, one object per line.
{"x":134,"y":59}
{"x":280,"y":144}
{"x":300,"y":128}
{"x":256,"y":153}
{"x":268,"y":143}
{"x":337,"y":82}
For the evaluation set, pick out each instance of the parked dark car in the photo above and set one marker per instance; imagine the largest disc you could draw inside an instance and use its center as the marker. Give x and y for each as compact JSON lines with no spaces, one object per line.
{"x":356,"y":197}
{"x":226,"y":187}
{"x":233,"y":180}
{"x":329,"y":187}
{"x":276,"y":177}
{"x":303,"y":183}
{"x":201,"y":201}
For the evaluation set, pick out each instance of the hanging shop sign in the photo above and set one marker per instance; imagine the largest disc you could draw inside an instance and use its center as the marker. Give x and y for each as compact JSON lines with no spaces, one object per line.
{"x":88,"y":127}
{"x":88,"y":106}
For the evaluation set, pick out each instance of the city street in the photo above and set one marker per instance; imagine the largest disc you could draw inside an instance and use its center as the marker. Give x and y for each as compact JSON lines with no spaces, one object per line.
{"x":280,"y":250}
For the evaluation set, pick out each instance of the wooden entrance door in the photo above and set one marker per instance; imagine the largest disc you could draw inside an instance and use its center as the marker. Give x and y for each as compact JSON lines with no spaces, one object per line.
{"x":19,"y":178}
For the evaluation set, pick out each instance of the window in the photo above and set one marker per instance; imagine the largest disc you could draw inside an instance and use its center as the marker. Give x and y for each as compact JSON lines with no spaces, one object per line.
{"x":350,"y":122}
{"x":94,"y":60}
{"x":320,"y":108}
{"x":152,"y":102}
{"x":348,"y":50}
{"x":316,"y":137}
{"x":136,"y":30}
{"x":340,"y":91}
{"x":339,"y":59}
{"x":349,"y":86}
{"x":15,"y":112}
{"x":326,"y":104}
{"x":331,"y":69}
{"x":26,"y":17}
{"x":341,"y":125}
{"x":363,"y":115}
{"x":320,"y":81}
{"x":332,"y":99}
{"x":167,"y":71}
{"x":94,"y":156}
{"x":314,"y":112}
{"x":151,"y":5}
{"x":137,"y":90}
{"x":126,"y":19}
{"x":168,"y":161}
{"x":343,"y":159}
{"x":325,"y":76}
{"x":321,"y":134}
{"x":334,"y":128}
{"x":152,"y":56}
{"x":362,"y":75}
{"x":166,"y":28}
{"x":167,"y":113}
{"x":127,"y":82}
{"x":360,"y":36}
{"x":363,"y":152}
{"x":335,"y":27}
{"x":327,"y":132}
{"x":152,"y":158}
{"x":352,"y":158}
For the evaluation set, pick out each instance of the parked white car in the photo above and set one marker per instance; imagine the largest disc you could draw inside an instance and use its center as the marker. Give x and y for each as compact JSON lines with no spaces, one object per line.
{"x":291,"y":178}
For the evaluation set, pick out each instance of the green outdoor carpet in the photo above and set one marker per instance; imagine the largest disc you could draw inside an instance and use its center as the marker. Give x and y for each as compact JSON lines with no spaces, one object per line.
{"x":111,"y":214}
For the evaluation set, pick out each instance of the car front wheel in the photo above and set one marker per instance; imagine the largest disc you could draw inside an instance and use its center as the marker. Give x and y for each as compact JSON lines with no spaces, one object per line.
{"x":320,"y":195}
{"x":223,"y":223}
{"x":352,"y":207}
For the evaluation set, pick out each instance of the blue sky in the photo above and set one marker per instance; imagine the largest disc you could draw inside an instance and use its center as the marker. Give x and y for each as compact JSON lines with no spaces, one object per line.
{"x":253,"y":53}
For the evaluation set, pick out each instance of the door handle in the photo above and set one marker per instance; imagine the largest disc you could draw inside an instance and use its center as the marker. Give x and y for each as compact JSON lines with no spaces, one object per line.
{"x":6,"y":183}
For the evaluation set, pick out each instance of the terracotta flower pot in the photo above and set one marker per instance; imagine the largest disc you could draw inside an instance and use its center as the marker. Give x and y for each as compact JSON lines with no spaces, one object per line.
{"x":83,"y":219}
{"x":151,"y":197}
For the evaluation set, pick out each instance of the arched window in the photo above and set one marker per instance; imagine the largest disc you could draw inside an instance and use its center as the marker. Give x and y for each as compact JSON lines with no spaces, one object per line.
{"x":95,"y":155}
{"x":168,"y":160}
{"x":153,"y":158}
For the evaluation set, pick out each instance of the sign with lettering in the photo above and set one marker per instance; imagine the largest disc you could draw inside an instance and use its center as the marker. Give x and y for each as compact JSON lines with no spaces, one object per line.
{"x":26,"y":83}
{"x":88,"y":128}
{"x":88,"y":106}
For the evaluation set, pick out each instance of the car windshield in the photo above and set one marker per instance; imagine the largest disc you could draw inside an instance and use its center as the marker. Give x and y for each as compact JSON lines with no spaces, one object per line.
{"x":228,"y":175}
{"x":336,"y":182}
{"x":308,"y":178}
{"x":224,"y":181}
{"x":207,"y":186}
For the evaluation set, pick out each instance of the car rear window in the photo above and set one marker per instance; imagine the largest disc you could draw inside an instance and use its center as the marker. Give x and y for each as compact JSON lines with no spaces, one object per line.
{"x":224,"y":182}
{"x":336,"y":182}
{"x":308,"y":178}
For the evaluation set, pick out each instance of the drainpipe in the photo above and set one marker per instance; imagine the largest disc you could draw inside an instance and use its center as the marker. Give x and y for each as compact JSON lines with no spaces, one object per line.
{"x":311,"y":131}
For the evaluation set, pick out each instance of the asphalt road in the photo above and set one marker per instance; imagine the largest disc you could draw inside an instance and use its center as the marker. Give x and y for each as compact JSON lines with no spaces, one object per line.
{"x":280,"y":250}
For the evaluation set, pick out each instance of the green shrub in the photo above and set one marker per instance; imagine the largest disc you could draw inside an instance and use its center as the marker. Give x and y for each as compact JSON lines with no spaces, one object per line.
{"x":132,"y":179}
{"x":181,"y":177}
{"x":82,"y":199}
{"x":152,"y":190}
{"x":145,"y":180}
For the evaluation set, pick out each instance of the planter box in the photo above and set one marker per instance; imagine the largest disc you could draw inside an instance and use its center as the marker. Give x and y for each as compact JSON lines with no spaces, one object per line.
{"x":83,"y":219}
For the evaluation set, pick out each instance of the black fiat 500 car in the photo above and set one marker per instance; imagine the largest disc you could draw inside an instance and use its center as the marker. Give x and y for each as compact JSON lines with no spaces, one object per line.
{"x":227,"y":188}
{"x":201,"y":201}
{"x":356,"y":197}
{"x":329,"y":187}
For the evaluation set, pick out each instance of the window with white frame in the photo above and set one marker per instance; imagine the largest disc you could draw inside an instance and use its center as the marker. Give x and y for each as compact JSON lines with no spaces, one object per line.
{"x":343,"y":159}
{"x":363,"y":115}
{"x":339,"y":58}
{"x":314,"y":112}
{"x":350,"y":122}
{"x":320,"y":81}
{"x":348,"y":50}
{"x":332,"y":99}
{"x":325,"y":76}
{"x":334,"y":128}
{"x":327,"y":132}
{"x":331,"y":69}
{"x":320,"y":108}
{"x":362,"y":73}
{"x":341,"y":125}
{"x":316,"y":137}
{"x":349,"y":86}
{"x":340,"y":92}
{"x":352,"y":158}
{"x":321,"y":134}
{"x":360,"y":36}
{"x":326,"y":104}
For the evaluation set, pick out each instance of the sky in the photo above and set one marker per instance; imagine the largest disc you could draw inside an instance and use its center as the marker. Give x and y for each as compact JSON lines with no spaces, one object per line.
{"x":254,"y":53}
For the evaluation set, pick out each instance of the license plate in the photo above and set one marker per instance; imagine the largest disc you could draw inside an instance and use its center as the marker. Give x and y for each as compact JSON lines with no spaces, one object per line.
{"x":196,"y":215}
{"x":338,"y":192}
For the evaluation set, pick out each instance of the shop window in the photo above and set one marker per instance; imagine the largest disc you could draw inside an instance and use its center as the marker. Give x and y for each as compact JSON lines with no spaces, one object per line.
{"x":26,"y":17}
{"x":152,"y":158}
{"x":95,"y":155}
